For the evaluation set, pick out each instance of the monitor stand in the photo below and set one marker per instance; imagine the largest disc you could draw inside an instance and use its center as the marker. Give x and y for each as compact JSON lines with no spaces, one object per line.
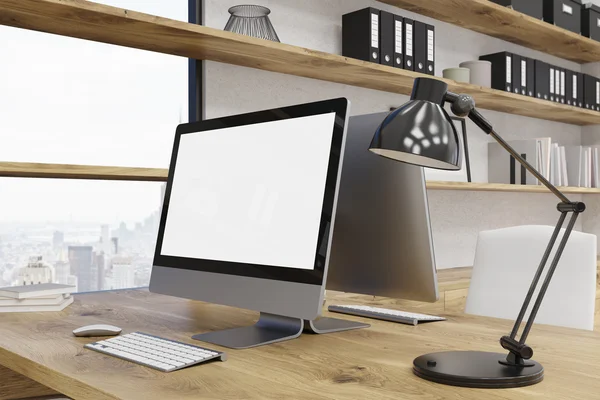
{"x":271,"y":328}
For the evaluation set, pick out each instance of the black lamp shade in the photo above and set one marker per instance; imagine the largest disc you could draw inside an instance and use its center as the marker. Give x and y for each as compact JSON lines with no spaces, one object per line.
{"x":420,"y":132}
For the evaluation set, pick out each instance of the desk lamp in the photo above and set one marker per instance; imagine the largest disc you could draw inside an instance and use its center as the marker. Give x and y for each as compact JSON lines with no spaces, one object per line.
{"x":421,"y":133}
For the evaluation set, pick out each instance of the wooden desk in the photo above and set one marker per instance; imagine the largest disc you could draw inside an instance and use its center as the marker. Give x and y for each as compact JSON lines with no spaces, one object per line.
{"x":370,"y":363}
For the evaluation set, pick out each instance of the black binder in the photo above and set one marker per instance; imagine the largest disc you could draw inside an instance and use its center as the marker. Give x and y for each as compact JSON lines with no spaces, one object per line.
{"x":430,"y":50}
{"x":360,"y":35}
{"x":597,"y":94}
{"x":570,"y":88}
{"x":502,"y":66}
{"x":553,"y":84}
{"x":513,"y":171}
{"x":542,"y":80}
{"x":563,"y":85}
{"x":580,"y":90}
{"x":420,"y":47}
{"x":398,"y":42}
{"x":517,"y":73}
{"x":530,"y":77}
{"x":386,"y":37}
{"x":409,"y":58}
{"x":558,"y":81}
{"x":589,"y":92}
{"x":523,"y":78}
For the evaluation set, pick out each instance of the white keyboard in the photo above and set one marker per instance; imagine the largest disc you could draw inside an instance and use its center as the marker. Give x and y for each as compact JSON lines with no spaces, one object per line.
{"x":385,"y":314}
{"x":154,"y":352}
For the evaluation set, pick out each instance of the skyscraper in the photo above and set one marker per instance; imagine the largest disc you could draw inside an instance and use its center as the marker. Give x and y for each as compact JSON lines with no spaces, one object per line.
{"x":123,"y":273}
{"x":100,"y":259}
{"x":61,"y":268}
{"x":58,"y":241}
{"x":36,"y":272}
{"x":105,"y":238}
{"x":82,"y":266}
{"x":115,"y":245}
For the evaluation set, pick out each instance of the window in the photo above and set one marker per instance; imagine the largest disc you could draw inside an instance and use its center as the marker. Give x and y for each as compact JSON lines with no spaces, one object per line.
{"x":97,"y":234}
{"x":71,"y":101}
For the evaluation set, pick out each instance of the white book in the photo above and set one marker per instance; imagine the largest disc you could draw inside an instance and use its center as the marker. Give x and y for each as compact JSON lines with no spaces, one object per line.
{"x":589,"y":166}
{"x":29,"y":291}
{"x":552,"y":177}
{"x":583,"y":169}
{"x":42,"y":308}
{"x":37,"y":301}
{"x":52,"y":296}
{"x":558,"y":166}
{"x":555,"y":166}
{"x":539,"y":166}
{"x":564,"y":177}
{"x":546,"y":144}
{"x":573,"y":157}
{"x":586,"y":167}
{"x":595,"y":169}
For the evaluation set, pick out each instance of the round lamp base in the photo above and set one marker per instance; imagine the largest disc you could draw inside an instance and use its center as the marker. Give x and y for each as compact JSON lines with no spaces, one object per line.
{"x":476,"y":369}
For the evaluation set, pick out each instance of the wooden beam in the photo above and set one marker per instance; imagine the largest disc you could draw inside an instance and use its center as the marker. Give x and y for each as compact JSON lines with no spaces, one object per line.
{"x":101,"y":23}
{"x":491,"y":19}
{"x":500,"y":187}
{"x":68,"y":171}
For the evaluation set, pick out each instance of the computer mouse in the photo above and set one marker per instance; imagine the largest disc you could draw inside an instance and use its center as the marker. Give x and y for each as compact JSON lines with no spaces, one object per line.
{"x":97,"y":330}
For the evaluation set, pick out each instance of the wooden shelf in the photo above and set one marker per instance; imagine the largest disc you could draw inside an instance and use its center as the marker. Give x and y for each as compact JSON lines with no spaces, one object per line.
{"x":67,"y":171}
{"x":491,"y":19}
{"x":92,"y":21}
{"x":500,"y":187}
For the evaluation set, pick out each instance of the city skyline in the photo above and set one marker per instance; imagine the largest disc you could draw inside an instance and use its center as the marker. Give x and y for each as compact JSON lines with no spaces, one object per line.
{"x":93,"y":257}
{"x":91,"y":104}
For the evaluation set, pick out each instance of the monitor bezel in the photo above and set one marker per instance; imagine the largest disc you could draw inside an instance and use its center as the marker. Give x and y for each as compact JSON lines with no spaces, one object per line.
{"x":314,"y":276}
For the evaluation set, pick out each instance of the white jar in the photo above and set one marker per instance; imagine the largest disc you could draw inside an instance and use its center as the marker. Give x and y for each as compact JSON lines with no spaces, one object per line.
{"x":481,"y":72}
{"x":457,"y":74}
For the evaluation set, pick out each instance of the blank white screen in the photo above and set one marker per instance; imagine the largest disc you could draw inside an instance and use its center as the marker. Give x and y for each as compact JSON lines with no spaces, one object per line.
{"x":251,"y":194}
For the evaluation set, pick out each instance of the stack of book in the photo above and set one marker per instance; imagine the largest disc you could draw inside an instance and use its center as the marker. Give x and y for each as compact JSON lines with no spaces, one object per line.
{"x":35,"y":298}
{"x":571,"y":165}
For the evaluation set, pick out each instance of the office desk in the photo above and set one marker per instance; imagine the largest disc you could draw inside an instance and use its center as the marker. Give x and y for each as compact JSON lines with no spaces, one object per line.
{"x":372,"y":363}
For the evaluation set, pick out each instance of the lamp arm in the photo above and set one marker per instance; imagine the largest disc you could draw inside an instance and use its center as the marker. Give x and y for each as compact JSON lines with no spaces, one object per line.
{"x":464,"y":106}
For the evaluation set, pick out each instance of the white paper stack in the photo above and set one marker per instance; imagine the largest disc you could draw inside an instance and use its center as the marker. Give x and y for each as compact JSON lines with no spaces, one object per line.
{"x":573,"y":158}
{"x":545,"y":145}
{"x":35,"y":298}
{"x":555,"y":165}
{"x":595,"y":167}
{"x":586,"y":166}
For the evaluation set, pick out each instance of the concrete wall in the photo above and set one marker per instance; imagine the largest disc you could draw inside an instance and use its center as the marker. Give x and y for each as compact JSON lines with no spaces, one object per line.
{"x":456,"y":216}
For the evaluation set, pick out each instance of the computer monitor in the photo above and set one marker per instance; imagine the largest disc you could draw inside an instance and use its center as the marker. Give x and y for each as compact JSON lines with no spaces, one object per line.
{"x":382,"y":241}
{"x":247,"y":217}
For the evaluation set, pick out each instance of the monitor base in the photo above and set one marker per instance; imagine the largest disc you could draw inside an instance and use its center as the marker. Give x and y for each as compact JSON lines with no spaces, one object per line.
{"x":476,"y":369}
{"x":271,"y":328}
{"x":330,"y":325}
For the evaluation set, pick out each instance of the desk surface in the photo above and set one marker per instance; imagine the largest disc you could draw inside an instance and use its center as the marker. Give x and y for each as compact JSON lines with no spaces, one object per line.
{"x":372,"y":363}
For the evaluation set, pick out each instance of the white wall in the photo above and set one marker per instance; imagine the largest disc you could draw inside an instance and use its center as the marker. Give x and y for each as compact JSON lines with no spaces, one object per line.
{"x":456,"y":217}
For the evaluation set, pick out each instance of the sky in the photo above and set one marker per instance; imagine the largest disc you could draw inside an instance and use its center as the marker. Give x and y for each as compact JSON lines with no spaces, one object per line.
{"x":72,"y":101}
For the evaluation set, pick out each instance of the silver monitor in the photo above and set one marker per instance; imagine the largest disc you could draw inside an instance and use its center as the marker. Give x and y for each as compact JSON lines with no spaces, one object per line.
{"x":248,"y":215}
{"x":382,"y":242}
